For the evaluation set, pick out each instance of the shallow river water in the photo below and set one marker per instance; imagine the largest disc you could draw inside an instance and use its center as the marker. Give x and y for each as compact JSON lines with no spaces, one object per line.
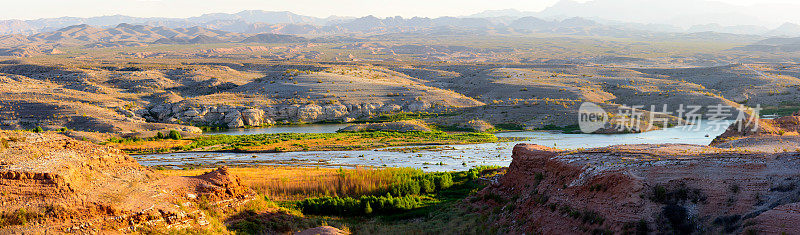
{"x":441,"y":158}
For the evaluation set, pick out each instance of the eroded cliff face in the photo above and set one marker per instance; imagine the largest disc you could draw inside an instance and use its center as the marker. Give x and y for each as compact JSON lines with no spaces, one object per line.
{"x":646,"y":188}
{"x":52,"y":183}
{"x":238,"y":116}
{"x":769,"y":135}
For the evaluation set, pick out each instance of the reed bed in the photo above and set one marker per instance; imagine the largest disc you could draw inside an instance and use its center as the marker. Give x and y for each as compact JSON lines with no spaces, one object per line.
{"x":296,"y":183}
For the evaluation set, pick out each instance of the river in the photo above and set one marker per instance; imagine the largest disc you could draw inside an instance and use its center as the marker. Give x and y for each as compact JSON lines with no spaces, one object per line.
{"x":442,"y":158}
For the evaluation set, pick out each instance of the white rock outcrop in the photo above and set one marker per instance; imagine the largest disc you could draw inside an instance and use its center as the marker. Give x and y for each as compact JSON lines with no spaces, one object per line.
{"x":240,"y":116}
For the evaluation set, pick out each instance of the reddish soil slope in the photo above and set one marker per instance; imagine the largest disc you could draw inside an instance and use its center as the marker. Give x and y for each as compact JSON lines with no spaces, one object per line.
{"x":646,"y":188}
{"x":53,"y":183}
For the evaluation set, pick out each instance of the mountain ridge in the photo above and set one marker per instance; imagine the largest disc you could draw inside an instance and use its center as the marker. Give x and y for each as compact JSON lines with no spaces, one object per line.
{"x":684,"y":16}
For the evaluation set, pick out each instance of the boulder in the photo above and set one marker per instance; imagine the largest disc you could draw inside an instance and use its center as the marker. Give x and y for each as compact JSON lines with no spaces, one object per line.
{"x":253,"y":117}
{"x":310,"y":113}
{"x":233,"y":119}
{"x":391,"y":108}
{"x":335,"y":111}
{"x":418,"y":106}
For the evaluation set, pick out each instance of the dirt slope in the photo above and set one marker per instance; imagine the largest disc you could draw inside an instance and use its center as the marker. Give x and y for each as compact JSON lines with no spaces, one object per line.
{"x":52,"y":183}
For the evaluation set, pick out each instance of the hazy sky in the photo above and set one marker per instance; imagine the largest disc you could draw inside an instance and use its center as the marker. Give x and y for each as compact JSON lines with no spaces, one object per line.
{"x":33,"y":9}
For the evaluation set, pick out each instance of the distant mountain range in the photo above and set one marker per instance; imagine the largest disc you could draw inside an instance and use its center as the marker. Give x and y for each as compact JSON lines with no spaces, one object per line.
{"x":126,"y":35}
{"x":675,"y":16}
{"x":681,"y":14}
{"x":241,"y":21}
{"x":600,"y":18}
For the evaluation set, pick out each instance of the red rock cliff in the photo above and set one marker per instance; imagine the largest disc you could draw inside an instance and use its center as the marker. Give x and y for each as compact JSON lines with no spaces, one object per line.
{"x":646,"y":188}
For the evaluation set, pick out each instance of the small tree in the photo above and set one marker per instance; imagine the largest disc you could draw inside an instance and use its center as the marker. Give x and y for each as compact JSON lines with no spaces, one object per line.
{"x":367,"y":209}
{"x":426,"y":186}
{"x":175,"y":135}
{"x":445,"y":180}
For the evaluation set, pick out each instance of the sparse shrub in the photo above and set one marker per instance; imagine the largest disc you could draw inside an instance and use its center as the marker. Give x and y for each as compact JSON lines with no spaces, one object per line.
{"x":681,"y":193}
{"x":159,"y":135}
{"x":426,"y":186}
{"x":491,"y":196}
{"x":640,"y":227}
{"x":443,"y":180}
{"x":175,"y":135}
{"x":677,"y":218}
{"x":734,"y":188}
{"x":730,"y":223}
{"x":367,"y":209}
{"x":38,"y":129}
{"x":18,"y":217}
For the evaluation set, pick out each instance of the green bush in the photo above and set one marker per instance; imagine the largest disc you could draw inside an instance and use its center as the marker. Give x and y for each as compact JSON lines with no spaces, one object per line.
{"x":405,"y":187}
{"x":175,"y":135}
{"x":426,"y":186}
{"x":159,"y":135}
{"x":38,"y":129}
{"x":367,"y":209}
{"x":443,"y":180}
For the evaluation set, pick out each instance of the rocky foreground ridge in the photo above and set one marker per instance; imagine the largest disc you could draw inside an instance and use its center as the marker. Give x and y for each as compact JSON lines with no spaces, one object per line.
{"x":51,"y":183}
{"x":751,"y":186}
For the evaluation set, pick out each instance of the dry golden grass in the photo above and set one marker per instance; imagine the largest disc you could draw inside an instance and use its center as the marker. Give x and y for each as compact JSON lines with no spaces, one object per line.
{"x":150,"y":146}
{"x":294,"y":183}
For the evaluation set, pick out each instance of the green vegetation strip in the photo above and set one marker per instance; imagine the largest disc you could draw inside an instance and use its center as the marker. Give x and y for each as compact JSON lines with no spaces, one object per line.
{"x":240,"y":142}
{"x":409,"y":190}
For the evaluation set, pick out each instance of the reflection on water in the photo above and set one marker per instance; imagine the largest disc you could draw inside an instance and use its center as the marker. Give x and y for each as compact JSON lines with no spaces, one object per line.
{"x":456,"y":157}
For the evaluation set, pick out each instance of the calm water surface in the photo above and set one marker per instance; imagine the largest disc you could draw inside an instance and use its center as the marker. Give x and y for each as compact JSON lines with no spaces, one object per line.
{"x":443,"y":158}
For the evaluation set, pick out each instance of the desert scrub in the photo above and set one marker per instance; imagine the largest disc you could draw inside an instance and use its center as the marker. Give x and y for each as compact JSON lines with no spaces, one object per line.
{"x":18,"y":217}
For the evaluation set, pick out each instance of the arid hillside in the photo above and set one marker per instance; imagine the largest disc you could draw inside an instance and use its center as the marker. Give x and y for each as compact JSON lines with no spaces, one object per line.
{"x":125,"y":98}
{"x":140,"y":99}
{"x":50,"y":183}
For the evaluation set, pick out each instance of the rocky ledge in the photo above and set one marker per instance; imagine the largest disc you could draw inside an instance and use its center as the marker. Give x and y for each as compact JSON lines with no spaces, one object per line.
{"x":679,"y":189}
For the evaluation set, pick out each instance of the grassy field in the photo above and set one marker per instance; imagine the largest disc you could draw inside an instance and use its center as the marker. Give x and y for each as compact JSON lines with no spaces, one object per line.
{"x":149,"y":146}
{"x":288,"y":142}
{"x":363,"y":200}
